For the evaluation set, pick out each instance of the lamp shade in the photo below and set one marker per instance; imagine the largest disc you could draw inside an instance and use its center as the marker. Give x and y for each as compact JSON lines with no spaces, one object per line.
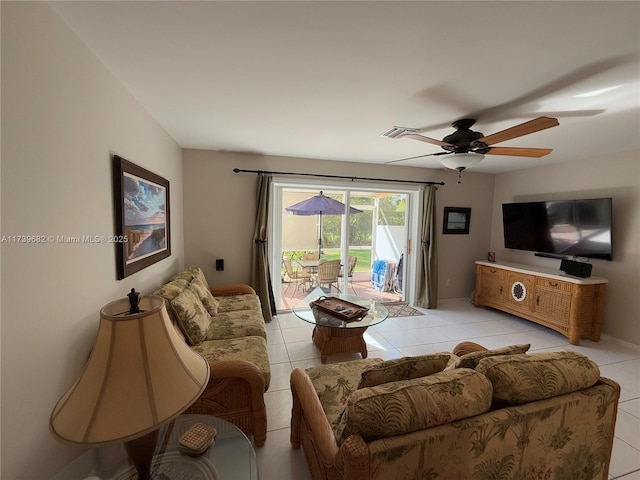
{"x":461,"y":161}
{"x":140,"y":375}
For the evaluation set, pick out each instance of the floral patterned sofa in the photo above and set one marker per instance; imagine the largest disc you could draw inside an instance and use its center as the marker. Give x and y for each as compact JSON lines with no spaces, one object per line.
{"x":225,"y":325}
{"x":500,"y":414}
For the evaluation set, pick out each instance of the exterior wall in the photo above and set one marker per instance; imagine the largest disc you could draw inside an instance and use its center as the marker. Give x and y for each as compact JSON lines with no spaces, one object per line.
{"x":389,"y":242}
{"x":616,"y":176}
{"x":220,"y":211}
{"x":63,"y":116}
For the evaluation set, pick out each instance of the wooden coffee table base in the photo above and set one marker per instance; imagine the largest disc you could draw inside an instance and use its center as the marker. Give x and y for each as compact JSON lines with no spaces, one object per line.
{"x":332,"y":340}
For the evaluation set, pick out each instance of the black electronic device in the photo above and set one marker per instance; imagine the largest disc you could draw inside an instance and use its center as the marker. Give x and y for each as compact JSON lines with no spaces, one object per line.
{"x":577,"y":269}
{"x":560,"y":228}
{"x":219,"y":265}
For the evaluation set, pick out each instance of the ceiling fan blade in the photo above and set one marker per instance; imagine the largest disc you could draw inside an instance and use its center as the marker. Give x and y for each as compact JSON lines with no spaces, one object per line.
{"x":417,"y":156}
{"x":422,"y":138}
{"x":462,"y":106}
{"x":567,"y":113}
{"x":535,"y":125}
{"x":519,"y":152}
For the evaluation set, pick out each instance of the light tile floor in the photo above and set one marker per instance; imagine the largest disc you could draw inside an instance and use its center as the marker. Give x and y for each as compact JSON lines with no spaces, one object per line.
{"x":290,"y":346}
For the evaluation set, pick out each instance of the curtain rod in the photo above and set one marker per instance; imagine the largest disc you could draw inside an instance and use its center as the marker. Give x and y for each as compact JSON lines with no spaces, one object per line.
{"x":267,"y":172}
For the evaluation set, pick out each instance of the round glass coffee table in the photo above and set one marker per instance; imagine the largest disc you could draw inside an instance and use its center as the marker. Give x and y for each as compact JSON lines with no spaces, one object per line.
{"x":332,"y":334}
{"x":231,"y":456}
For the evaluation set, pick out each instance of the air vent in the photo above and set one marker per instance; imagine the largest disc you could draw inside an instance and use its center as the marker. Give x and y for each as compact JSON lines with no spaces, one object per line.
{"x":396,"y":132}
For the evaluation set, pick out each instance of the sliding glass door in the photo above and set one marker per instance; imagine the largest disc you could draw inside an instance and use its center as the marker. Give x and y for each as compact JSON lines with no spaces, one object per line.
{"x":370,"y":237}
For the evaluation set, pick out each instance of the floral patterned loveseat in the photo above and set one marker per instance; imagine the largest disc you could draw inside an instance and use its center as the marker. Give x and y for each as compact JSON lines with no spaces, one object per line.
{"x":489,"y":415}
{"x":225,"y":325}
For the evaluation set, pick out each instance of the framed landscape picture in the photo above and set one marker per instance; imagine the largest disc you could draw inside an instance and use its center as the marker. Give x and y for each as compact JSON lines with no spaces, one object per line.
{"x":456,"y":220}
{"x":141,"y":215}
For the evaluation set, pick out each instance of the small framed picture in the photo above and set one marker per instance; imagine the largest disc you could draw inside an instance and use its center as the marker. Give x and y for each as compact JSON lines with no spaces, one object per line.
{"x":456,"y":221}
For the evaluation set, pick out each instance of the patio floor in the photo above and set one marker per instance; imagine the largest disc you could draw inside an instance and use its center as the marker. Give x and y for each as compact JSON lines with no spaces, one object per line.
{"x":359,"y":286}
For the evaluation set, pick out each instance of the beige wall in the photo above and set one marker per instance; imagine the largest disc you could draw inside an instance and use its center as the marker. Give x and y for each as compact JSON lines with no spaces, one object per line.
{"x":616,"y":176}
{"x":220,"y":212}
{"x":63,"y":115}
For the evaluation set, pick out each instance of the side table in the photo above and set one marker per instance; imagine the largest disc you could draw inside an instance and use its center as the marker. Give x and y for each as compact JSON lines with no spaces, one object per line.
{"x":231,"y":457}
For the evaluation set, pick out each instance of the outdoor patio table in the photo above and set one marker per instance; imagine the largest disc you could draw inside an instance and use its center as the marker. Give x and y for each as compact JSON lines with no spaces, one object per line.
{"x":310,"y":264}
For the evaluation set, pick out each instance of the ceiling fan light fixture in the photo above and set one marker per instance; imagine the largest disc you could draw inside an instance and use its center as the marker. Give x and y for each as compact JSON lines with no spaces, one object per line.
{"x":461,"y":161}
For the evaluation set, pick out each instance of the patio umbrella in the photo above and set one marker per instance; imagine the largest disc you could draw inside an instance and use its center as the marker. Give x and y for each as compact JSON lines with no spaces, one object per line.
{"x":320,"y":205}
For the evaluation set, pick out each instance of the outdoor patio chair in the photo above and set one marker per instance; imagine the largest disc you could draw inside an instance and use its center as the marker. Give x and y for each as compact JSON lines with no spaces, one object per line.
{"x":309,"y":256}
{"x":351,"y":265}
{"x":328,"y":271}
{"x":297,"y":277}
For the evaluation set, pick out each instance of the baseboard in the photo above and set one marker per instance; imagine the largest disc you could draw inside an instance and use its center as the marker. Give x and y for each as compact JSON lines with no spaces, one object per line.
{"x":622,"y":343}
{"x":457,"y":299}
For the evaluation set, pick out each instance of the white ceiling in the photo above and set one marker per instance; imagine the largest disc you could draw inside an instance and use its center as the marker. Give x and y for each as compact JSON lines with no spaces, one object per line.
{"x":325,"y":79}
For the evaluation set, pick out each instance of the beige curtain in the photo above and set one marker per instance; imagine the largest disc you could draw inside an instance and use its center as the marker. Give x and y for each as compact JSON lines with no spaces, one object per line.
{"x":427,"y":274}
{"x":260,"y":273}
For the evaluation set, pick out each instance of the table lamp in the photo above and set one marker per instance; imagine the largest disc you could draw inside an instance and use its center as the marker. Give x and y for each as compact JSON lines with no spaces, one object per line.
{"x":139,"y":376}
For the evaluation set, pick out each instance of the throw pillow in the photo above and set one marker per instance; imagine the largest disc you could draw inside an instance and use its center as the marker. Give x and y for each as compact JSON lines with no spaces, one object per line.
{"x":404,"y":368}
{"x":192,"y":316}
{"x":190,"y":273}
{"x":172,"y":289}
{"x":403,"y":407}
{"x":470,"y":360}
{"x":207,"y":299}
{"x":520,"y":379}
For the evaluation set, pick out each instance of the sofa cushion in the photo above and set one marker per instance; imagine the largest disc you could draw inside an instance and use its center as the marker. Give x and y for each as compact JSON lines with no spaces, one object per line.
{"x":191,"y":315}
{"x":334,"y":383}
{"x":470,"y":360}
{"x":406,"y":406}
{"x":404,"y":368}
{"x":519,"y":379}
{"x":240,"y":323}
{"x":251,"y":349}
{"x":231,"y":303}
{"x":207,"y":299}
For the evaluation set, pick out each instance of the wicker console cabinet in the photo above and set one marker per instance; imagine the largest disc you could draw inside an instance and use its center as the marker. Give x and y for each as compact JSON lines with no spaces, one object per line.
{"x":567,"y":304}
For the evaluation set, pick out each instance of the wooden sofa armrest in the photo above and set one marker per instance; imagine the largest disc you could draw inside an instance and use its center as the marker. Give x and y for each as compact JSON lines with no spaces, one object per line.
{"x":241,"y":369}
{"x":307,"y":403}
{"x":353,"y":458}
{"x":222,"y":392}
{"x":612,"y":383}
{"x":463,"y":348}
{"x":232,"y":289}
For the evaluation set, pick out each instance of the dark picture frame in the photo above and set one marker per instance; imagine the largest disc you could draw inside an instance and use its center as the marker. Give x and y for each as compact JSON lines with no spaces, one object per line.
{"x":456,"y":221}
{"x":142,"y":220}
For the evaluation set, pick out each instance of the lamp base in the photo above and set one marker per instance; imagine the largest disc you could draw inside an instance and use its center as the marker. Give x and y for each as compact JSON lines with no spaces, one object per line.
{"x":140,"y":451}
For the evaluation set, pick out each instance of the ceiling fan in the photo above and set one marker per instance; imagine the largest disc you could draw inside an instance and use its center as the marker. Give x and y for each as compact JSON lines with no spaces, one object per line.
{"x":465,"y":147}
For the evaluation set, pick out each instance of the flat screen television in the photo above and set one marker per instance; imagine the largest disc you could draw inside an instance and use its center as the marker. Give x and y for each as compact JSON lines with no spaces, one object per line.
{"x":560,"y":228}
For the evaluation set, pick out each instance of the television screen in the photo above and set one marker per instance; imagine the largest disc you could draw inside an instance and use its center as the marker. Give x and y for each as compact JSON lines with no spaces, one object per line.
{"x":579,"y":228}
